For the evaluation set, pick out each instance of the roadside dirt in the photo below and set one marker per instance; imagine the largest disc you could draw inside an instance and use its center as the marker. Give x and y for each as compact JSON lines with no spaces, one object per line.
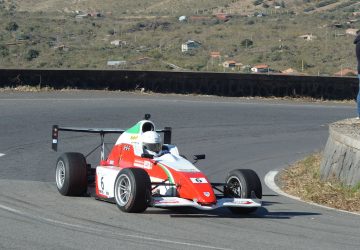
{"x":302,"y":179}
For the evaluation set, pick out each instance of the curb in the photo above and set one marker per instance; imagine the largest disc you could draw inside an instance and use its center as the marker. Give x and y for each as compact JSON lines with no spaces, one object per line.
{"x":270,"y":183}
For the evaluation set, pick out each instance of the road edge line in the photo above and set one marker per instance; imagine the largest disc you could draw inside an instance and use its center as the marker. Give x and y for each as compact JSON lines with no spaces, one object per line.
{"x":270,"y":183}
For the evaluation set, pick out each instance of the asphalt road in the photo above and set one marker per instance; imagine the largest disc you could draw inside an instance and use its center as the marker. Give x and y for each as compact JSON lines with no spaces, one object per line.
{"x":233,"y":133}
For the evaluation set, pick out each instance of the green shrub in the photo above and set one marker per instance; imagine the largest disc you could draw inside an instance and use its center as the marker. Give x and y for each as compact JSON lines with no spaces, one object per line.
{"x":4,"y":51}
{"x":324,"y":3}
{"x":309,"y":9}
{"x":12,"y":26}
{"x":258,"y":2}
{"x":32,"y":54}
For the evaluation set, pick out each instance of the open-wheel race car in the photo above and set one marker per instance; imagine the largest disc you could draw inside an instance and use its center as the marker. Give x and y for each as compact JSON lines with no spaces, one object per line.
{"x":143,"y":169}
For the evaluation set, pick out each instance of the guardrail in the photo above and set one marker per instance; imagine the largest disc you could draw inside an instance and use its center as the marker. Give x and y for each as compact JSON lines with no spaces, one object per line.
{"x":222,"y":84}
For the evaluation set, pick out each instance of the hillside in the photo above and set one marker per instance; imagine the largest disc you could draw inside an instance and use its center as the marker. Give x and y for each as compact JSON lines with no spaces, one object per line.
{"x":148,"y":34}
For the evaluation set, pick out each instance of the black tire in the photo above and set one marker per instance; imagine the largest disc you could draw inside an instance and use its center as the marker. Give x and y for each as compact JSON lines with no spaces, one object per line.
{"x":71,"y":174}
{"x":132,"y":190}
{"x":243,"y":183}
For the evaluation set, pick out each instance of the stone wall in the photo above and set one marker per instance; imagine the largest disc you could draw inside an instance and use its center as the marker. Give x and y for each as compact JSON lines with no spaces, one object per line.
{"x":205,"y":83}
{"x":341,"y":157}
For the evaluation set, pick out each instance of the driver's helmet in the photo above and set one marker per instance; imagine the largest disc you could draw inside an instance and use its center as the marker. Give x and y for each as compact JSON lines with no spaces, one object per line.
{"x":152,"y":141}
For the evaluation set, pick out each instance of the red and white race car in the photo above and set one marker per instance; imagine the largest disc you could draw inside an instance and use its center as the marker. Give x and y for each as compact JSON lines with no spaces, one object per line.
{"x":144,"y":169}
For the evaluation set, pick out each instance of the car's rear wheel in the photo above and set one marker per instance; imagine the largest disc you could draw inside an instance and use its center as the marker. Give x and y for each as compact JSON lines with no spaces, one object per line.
{"x":132,"y":190}
{"x":71,"y":174}
{"x":243,"y":183}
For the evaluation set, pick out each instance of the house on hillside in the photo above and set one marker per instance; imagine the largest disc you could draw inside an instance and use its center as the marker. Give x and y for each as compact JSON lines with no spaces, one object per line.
{"x":215,"y":54}
{"x":261,"y":68}
{"x":190,"y":45}
{"x":351,"y":32}
{"x":61,"y":47}
{"x":118,"y":42}
{"x":308,"y":37}
{"x":229,"y":64}
{"x":116,"y":63}
{"x":223,"y":17}
{"x":182,"y":19}
{"x":199,"y":18}
{"x":346,"y":72}
{"x":82,"y":15}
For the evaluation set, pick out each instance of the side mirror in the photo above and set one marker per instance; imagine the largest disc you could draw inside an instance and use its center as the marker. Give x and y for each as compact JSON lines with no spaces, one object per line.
{"x":199,"y":157}
{"x":148,"y":156}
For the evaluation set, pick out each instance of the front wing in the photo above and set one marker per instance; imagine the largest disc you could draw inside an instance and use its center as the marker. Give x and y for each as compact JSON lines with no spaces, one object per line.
{"x":166,"y":202}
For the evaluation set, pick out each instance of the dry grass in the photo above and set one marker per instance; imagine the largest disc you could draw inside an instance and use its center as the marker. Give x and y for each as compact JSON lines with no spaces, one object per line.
{"x":26,"y":88}
{"x":303,"y":180}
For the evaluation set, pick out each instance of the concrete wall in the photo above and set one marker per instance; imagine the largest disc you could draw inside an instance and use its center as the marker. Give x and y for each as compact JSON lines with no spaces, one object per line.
{"x":223,"y":84}
{"x":341,"y":159}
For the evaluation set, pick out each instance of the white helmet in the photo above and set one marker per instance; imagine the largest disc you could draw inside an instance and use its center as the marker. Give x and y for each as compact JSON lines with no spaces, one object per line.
{"x":152,"y":141}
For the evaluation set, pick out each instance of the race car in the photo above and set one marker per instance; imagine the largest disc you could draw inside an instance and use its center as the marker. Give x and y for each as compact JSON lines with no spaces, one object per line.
{"x":143,"y":169}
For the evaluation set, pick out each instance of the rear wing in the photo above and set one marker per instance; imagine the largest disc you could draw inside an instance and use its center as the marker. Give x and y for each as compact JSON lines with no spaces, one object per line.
{"x":102,"y":132}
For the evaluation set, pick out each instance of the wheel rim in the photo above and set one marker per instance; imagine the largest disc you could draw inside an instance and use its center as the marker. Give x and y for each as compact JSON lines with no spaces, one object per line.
{"x":60,"y":174}
{"x":234,"y":186}
{"x":123,"y":190}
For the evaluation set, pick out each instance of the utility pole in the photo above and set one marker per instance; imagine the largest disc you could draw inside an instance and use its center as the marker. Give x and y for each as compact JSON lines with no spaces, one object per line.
{"x":302,"y":65}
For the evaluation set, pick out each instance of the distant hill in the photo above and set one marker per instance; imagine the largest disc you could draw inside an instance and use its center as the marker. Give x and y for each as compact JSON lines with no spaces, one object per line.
{"x":181,"y":7}
{"x":305,"y":36}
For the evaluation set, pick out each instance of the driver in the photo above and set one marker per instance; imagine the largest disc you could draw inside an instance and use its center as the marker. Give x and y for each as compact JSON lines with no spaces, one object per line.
{"x":151,"y":142}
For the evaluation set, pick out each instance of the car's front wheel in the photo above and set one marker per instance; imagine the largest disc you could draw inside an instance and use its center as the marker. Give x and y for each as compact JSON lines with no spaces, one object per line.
{"x":243,"y":183}
{"x":132,"y":190}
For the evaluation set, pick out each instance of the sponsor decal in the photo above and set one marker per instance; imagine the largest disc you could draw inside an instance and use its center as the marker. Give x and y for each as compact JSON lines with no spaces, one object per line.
{"x":112,"y":162}
{"x":143,"y":164}
{"x":236,"y":201}
{"x":207,"y":194}
{"x":166,"y":202}
{"x":138,"y":165}
{"x":133,"y":137}
{"x":198,"y":180}
{"x":147,"y":165}
{"x":102,"y":183}
{"x":55,"y":141}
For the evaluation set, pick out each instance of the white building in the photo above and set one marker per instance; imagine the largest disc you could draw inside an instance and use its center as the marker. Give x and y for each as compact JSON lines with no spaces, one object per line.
{"x":190,"y":45}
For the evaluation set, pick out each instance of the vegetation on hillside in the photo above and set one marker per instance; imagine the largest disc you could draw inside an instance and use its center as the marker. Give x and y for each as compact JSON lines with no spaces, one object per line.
{"x":148,"y":35}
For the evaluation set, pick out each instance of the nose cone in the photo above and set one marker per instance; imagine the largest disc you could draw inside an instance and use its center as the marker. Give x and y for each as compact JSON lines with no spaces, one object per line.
{"x":195,"y":186}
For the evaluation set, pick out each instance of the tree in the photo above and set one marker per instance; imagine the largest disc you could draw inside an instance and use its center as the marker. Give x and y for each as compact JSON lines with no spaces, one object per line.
{"x":4,"y":51}
{"x":31,"y":54}
{"x":12,"y":26}
{"x":246,"y":43}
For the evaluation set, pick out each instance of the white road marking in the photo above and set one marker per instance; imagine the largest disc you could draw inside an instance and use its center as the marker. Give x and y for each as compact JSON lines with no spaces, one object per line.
{"x":134,"y":236}
{"x":1,"y":154}
{"x":270,"y":182}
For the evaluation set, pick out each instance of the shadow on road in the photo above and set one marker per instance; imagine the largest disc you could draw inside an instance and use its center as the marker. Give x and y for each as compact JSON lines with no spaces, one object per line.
{"x":262,"y":213}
